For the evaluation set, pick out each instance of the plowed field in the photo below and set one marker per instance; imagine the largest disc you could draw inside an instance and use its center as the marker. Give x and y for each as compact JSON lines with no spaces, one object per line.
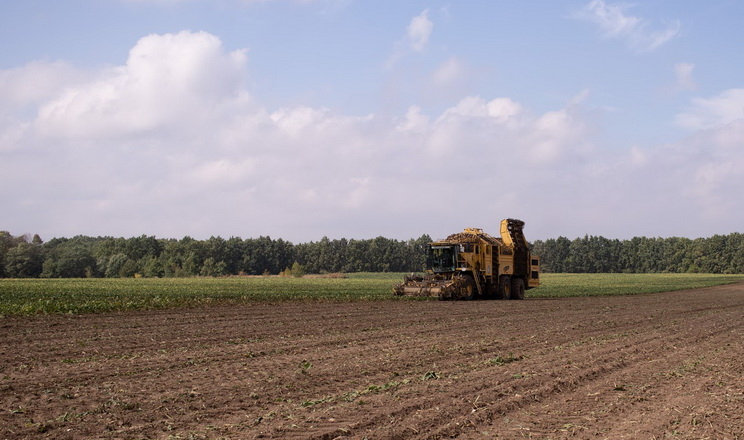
{"x":657,"y":366}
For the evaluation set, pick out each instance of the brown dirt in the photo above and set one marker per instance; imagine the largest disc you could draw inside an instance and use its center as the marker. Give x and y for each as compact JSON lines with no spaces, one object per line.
{"x":637,"y":367}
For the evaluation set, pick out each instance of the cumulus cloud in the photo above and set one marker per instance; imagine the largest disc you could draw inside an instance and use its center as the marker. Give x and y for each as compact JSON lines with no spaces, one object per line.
{"x":704,"y":113}
{"x":416,"y":38}
{"x":414,"y":121}
{"x":167,"y":79}
{"x":33,"y":83}
{"x":614,"y":22}
{"x":171,"y":144}
{"x":419,"y":31}
{"x":710,"y":168}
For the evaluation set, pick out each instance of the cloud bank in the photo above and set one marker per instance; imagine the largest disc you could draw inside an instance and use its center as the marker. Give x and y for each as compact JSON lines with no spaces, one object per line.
{"x":172,"y":143}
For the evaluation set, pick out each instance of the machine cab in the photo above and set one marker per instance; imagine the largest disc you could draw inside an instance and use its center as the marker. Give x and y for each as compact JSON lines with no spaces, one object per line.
{"x":442,"y":258}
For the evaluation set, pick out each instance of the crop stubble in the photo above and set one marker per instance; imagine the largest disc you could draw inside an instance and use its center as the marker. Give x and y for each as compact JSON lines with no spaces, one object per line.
{"x":646,"y":366}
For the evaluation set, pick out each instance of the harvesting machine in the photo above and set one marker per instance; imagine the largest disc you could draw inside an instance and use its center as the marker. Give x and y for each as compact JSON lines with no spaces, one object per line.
{"x":473,"y":264}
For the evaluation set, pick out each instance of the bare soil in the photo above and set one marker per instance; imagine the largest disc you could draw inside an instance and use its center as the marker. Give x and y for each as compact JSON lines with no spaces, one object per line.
{"x":633,"y":367}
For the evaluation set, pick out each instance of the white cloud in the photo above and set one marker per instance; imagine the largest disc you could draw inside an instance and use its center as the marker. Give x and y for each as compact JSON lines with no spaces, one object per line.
{"x":419,"y":31}
{"x":294,"y":120}
{"x":168,"y":79}
{"x":12,"y":133}
{"x":683,"y":73}
{"x":504,"y":109}
{"x":33,"y":83}
{"x":638,"y":157}
{"x":23,"y":89}
{"x":705,"y":113}
{"x":416,"y":38}
{"x":450,"y":71}
{"x":224,"y":171}
{"x":414,"y":121}
{"x":710,"y":168}
{"x":611,"y":18}
{"x":614,"y":22}
{"x":171,"y":144}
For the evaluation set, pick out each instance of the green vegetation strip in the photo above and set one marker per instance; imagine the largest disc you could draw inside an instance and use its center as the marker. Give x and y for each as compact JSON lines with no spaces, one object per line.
{"x":96,"y":295}
{"x":604,"y":284}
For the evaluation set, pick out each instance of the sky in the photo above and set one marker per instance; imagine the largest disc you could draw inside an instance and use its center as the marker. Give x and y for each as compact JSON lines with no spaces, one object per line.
{"x":303,"y":119}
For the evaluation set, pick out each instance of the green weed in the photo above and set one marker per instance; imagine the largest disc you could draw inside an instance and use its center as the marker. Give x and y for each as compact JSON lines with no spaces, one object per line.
{"x":98,"y":295}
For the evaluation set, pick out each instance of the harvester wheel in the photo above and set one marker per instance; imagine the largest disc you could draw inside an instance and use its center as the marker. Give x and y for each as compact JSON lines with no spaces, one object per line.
{"x":505,"y":286}
{"x":468,"y":289}
{"x":493,"y":291}
{"x":517,"y":288}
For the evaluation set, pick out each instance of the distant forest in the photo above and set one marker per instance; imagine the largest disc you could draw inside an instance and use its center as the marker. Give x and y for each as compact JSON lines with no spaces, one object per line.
{"x":81,"y":256}
{"x":722,"y":254}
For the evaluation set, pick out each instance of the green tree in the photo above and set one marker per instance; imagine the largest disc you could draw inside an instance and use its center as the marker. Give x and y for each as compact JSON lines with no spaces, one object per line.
{"x":298,"y":271}
{"x":70,"y":258}
{"x":6,"y":242}
{"x":212,"y":268}
{"x":152,"y":267}
{"x":113,"y":265}
{"x":24,"y":261}
{"x":130,"y":268}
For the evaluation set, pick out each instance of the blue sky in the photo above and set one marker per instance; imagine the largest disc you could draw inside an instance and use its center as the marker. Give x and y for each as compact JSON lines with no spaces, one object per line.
{"x":349,"y":118}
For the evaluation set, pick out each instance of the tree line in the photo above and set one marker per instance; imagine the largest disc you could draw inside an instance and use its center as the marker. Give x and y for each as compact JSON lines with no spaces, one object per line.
{"x":108,"y":257}
{"x":721,"y":254}
{"x":28,"y":256}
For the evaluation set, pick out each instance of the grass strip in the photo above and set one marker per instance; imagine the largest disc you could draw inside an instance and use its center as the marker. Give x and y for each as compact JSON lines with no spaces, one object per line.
{"x":97,"y":295}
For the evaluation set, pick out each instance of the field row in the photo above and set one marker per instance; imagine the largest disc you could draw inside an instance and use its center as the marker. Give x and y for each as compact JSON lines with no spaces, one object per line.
{"x":665,"y":365}
{"x":94,"y":295}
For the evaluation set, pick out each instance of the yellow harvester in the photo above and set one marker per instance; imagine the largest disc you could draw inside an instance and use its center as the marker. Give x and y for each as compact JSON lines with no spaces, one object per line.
{"x":472,"y":264}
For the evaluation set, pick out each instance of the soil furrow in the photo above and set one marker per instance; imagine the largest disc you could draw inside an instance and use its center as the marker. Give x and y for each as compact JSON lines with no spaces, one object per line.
{"x":662,"y":365}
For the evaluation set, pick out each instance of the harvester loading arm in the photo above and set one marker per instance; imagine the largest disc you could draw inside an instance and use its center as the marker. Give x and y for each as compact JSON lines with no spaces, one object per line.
{"x":511,"y":233}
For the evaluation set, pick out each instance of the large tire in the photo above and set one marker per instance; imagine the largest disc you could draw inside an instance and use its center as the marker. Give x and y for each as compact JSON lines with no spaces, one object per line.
{"x":468,"y":289}
{"x":492,"y":290}
{"x":505,"y":286}
{"x":517,"y":288}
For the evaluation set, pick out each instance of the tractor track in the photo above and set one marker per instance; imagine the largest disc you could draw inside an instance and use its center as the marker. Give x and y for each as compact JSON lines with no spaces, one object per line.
{"x":645,"y":366}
